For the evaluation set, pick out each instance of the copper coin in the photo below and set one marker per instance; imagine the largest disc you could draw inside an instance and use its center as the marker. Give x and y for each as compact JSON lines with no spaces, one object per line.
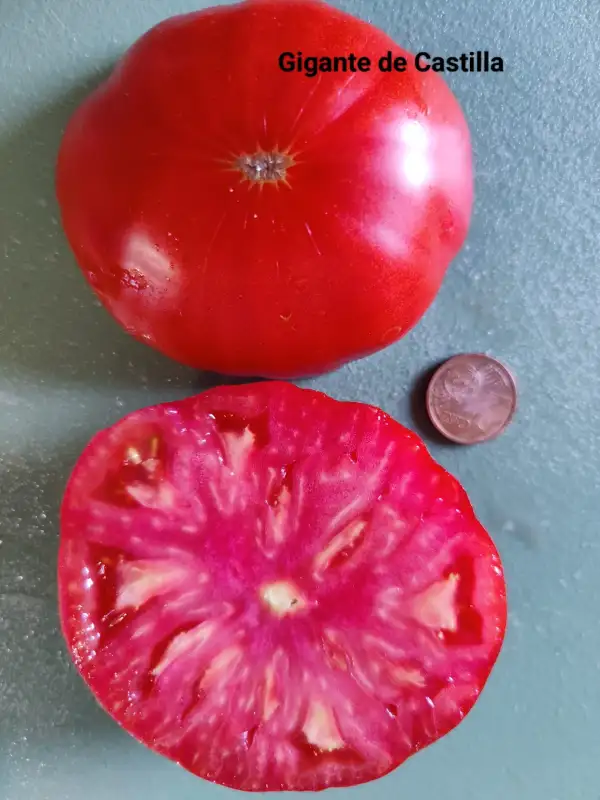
{"x":471,"y":398}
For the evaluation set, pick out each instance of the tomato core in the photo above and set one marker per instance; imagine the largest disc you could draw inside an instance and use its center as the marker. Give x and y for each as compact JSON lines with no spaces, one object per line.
{"x":281,"y":598}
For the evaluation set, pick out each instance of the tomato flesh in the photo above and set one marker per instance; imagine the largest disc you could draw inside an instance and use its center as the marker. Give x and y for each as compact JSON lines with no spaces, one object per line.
{"x":252,"y":221}
{"x":275,"y":589}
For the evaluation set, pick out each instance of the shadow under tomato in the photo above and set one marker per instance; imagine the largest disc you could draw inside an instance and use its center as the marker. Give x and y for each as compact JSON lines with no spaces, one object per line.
{"x":53,"y":327}
{"x":418,"y":409}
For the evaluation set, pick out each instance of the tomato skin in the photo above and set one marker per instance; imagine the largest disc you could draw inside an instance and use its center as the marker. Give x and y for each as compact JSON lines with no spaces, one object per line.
{"x":176,"y":518}
{"x":276,"y":280}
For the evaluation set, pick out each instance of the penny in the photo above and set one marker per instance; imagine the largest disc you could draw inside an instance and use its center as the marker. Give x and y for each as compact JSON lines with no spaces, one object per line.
{"x":471,"y":398}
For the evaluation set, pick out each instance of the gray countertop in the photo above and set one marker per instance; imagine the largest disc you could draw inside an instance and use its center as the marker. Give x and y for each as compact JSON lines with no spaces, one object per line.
{"x":525,"y":288}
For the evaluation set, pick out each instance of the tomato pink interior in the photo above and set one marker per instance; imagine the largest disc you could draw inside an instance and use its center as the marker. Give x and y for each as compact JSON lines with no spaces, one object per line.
{"x":275,"y":589}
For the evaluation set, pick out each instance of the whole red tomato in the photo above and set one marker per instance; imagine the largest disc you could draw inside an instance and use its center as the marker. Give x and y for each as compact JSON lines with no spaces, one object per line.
{"x":275,"y":589}
{"x":247,"y":219}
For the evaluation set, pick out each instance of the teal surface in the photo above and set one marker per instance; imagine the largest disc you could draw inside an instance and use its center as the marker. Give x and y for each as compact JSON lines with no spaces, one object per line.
{"x":525,"y":288}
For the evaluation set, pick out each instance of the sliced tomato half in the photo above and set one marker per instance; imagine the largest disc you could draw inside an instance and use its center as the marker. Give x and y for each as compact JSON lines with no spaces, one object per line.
{"x":275,"y":589}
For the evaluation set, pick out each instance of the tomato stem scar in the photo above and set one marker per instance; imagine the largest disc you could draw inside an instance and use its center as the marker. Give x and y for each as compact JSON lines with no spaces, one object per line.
{"x":262,"y":167}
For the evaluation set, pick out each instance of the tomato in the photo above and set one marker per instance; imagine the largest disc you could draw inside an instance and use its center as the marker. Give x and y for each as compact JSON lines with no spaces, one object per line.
{"x":275,"y":589}
{"x":250,"y":220}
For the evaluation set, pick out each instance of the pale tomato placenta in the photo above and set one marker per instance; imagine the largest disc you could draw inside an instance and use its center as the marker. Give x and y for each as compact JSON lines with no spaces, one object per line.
{"x":254,"y":221}
{"x":276,"y":589}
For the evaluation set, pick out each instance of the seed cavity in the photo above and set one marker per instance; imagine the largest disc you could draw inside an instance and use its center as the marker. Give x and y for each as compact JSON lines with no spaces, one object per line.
{"x":335,"y":654}
{"x":226,"y":422}
{"x":198,"y":696}
{"x":222,"y":666}
{"x":275,"y":528}
{"x":183,"y":643}
{"x":133,"y":455}
{"x":140,"y":581}
{"x":280,"y":485}
{"x":407,"y":676}
{"x":237,"y":449}
{"x":469,"y":622}
{"x":136,"y":475}
{"x":249,"y":735}
{"x":341,"y":548}
{"x":270,"y":702}
{"x":436,"y":607}
{"x":320,"y":727}
{"x":161,"y":496}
